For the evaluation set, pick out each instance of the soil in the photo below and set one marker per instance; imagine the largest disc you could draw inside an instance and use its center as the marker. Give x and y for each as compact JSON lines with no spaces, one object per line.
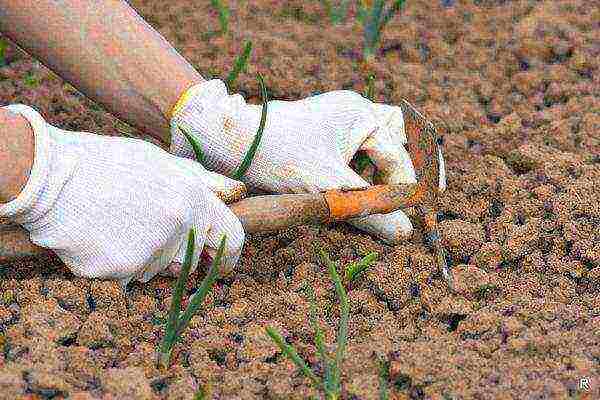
{"x":515,"y":86}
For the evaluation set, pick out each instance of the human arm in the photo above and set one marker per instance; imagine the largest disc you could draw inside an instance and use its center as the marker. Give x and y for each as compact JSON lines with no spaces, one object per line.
{"x":108,"y":52}
{"x":16,"y":154}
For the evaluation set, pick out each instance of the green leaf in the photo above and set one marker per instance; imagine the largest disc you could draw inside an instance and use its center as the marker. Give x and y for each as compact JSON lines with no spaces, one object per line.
{"x":361,"y":12}
{"x":342,"y":336}
{"x":339,"y":14}
{"x":370,"y":91}
{"x":3,"y":47}
{"x":223,"y":11}
{"x":384,"y":376}
{"x":201,"y":394}
{"x":31,"y":80}
{"x":362,"y":161}
{"x":195,"y":145}
{"x":171,"y":329}
{"x":240,"y":65}
{"x":353,"y":270}
{"x":292,"y":354}
{"x":243,"y":168}
{"x":392,"y":11}
{"x":207,"y":284}
{"x":320,"y":339}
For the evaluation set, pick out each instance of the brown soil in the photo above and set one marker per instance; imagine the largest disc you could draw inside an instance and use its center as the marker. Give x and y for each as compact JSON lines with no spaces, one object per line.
{"x":517,"y":86}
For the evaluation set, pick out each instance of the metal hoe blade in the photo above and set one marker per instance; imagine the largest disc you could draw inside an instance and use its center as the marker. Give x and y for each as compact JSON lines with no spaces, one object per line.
{"x":424,"y":144}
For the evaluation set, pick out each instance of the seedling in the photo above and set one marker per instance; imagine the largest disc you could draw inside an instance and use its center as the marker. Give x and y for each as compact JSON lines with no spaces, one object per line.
{"x":240,"y":65}
{"x":384,"y":376}
{"x":353,"y":270}
{"x":177,"y":321}
{"x":370,"y":90}
{"x":223,"y":11}
{"x":337,"y":14}
{"x":31,"y":80}
{"x":330,"y":384}
{"x":374,"y":18}
{"x":247,"y":161}
{"x":243,"y":168}
{"x":202,"y":393}
{"x":361,"y":159}
{"x":194,"y":143}
{"x":3,"y":47}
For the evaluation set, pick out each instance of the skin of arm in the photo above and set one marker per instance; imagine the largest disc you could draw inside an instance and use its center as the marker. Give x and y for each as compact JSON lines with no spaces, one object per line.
{"x":16,"y":154}
{"x":108,"y":52}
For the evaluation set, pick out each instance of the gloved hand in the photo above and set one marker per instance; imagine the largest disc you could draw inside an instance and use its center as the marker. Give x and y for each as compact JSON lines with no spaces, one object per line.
{"x":306,"y":145}
{"x":120,"y":208}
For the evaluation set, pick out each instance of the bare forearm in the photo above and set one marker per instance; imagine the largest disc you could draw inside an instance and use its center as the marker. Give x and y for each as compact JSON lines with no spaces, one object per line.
{"x":108,"y":52}
{"x":16,"y":154}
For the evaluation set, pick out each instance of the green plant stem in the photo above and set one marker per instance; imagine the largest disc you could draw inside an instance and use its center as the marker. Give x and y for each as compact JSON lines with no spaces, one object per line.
{"x":171,"y":329}
{"x":200,"y":295}
{"x":339,"y":14}
{"x":370,"y":90}
{"x":223,"y":11}
{"x":384,"y":375}
{"x":342,"y":336}
{"x":291,"y":353}
{"x":195,"y":145}
{"x":240,"y":64}
{"x":3,"y":47}
{"x":320,"y":341}
{"x":243,"y":168}
{"x":200,"y":395}
{"x":395,"y":8}
{"x":355,"y":269}
{"x":374,"y":20}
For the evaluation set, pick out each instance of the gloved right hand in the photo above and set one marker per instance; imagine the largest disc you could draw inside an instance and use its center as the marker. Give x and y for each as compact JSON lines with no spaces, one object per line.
{"x":306,"y":145}
{"x":120,"y":208}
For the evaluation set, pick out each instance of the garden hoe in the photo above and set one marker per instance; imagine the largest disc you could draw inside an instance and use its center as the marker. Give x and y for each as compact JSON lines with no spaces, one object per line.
{"x":275,"y":212}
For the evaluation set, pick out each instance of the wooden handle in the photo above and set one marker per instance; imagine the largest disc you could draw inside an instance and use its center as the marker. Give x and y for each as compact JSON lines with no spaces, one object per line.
{"x":257,"y":214}
{"x":269,"y":213}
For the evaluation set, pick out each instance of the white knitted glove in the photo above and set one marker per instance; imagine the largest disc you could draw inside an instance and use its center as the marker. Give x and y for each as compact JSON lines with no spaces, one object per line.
{"x":306,"y":145}
{"x":113,"y":207}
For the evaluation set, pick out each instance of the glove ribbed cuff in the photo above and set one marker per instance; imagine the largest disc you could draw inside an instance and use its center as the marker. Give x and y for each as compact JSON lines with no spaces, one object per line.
{"x":22,"y":209}
{"x":196,"y":95}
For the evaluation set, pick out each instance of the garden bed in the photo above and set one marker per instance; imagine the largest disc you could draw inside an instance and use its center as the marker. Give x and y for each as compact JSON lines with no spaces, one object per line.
{"x":515,"y":86}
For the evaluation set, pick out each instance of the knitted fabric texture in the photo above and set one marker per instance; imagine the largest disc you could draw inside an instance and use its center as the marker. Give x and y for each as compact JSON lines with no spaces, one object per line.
{"x":306,"y":145}
{"x":120,"y":208}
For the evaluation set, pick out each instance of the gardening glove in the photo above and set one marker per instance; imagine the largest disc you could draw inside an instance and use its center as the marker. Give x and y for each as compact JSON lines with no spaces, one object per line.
{"x":306,"y":145}
{"x":120,"y":208}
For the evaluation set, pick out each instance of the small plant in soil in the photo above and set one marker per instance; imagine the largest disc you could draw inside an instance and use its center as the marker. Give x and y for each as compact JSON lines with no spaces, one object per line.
{"x":361,"y":160}
{"x":384,"y":377}
{"x":374,"y":17}
{"x":3,"y":47}
{"x":329,"y":384}
{"x":353,"y":270}
{"x":30,"y":80}
{"x":240,"y":64}
{"x":223,"y":12}
{"x":370,"y":90}
{"x":247,"y":161}
{"x":337,"y":14}
{"x":177,"y":321}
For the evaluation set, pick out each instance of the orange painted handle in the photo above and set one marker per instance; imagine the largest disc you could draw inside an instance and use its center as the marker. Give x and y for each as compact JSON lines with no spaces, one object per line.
{"x":379,"y":199}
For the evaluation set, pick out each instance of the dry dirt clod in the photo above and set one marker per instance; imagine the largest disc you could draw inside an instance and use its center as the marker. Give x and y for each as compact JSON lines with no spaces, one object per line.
{"x":127,"y":383}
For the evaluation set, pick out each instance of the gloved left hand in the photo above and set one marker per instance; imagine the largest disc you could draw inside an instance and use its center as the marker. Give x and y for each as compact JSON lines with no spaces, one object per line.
{"x":306,"y":145}
{"x":120,"y":208}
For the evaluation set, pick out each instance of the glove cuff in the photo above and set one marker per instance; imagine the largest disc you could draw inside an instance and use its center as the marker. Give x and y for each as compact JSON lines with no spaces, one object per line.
{"x":23,"y":208}
{"x":199,"y":97}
